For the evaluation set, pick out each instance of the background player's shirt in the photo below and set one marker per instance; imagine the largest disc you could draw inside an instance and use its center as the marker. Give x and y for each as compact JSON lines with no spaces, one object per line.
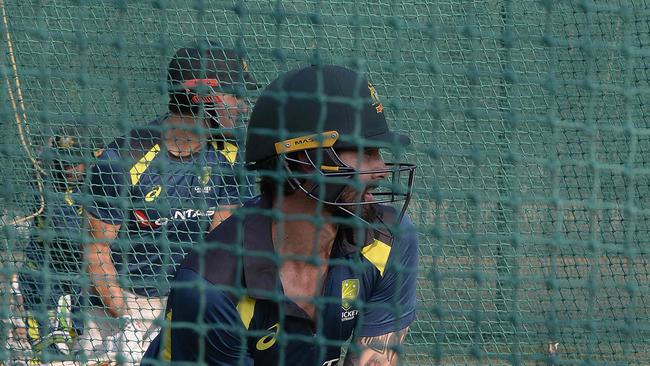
{"x":55,"y":243}
{"x":370,"y":287}
{"x":163,"y":203}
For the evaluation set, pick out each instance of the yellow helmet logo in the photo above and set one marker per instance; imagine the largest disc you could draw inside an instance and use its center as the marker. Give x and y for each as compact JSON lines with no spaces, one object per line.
{"x":375,"y":98}
{"x":155,"y":192}
{"x":65,"y":142}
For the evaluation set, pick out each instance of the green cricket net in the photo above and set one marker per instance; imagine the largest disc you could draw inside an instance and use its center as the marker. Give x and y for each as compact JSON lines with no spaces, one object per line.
{"x":530,"y":128}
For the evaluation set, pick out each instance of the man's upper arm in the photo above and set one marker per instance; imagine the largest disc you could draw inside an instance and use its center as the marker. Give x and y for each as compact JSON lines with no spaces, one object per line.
{"x":107,"y":186}
{"x":237,"y":183}
{"x":391,"y":303}
{"x":237,"y":187}
{"x":206,"y":325}
{"x":221,"y":214}
{"x":101,"y":231}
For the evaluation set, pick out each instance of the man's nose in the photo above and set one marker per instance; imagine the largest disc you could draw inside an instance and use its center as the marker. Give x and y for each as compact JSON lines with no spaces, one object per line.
{"x":242,"y":106}
{"x":382,"y":169}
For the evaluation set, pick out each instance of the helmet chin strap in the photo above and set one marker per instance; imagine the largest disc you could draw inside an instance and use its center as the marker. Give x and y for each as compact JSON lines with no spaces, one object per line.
{"x":210,"y":111}
{"x":217,"y":130}
{"x":213,"y":118}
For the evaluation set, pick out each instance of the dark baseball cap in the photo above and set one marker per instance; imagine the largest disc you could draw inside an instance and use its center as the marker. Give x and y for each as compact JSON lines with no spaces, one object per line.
{"x":216,"y":67}
{"x":317,"y":99}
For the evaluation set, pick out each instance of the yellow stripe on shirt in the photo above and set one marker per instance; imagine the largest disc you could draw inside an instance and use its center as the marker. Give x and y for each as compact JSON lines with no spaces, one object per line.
{"x":142,"y":164}
{"x":32,"y":328}
{"x":167,"y":352}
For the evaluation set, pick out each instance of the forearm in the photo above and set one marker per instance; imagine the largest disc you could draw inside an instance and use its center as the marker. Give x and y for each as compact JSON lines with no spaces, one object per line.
{"x":103,"y":277}
{"x":101,"y":270}
{"x":221,"y":214}
{"x":381,"y":350}
{"x":370,"y":360}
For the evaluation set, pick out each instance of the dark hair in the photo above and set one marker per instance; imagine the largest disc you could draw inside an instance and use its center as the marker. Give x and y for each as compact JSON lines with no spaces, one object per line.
{"x":272,"y":178}
{"x":269,"y":187}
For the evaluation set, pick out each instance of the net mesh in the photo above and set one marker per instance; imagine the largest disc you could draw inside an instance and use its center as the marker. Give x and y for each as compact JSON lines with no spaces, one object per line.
{"x":529,"y":129}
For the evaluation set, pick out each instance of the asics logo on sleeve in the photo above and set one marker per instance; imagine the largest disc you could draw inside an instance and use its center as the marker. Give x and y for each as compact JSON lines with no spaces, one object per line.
{"x":155,"y":192}
{"x":268,"y":340}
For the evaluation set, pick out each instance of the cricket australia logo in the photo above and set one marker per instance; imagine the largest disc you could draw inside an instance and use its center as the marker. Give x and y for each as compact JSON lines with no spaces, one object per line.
{"x":204,"y":180}
{"x":375,"y":98}
{"x":349,"y":293}
{"x":65,"y":142}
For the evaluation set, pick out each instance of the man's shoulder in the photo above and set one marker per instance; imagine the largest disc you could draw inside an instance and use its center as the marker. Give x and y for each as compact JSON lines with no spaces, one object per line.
{"x":392,"y":242}
{"x":225,"y":152}
{"x":186,"y":296}
{"x":233,"y":226}
{"x":221,"y":253}
{"x":388,"y":216}
{"x":64,"y":205}
{"x":137,"y":141}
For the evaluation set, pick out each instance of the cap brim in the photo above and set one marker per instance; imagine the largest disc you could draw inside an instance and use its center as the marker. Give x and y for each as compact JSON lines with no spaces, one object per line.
{"x":387,"y":140}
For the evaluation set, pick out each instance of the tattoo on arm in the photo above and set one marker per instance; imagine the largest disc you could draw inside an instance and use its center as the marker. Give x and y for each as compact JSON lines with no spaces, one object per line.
{"x":384,"y":344}
{"x":373,"y":362}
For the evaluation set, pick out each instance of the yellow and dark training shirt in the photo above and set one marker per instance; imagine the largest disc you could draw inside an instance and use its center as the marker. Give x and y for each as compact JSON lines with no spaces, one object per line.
{"x":163,"y":203}
{"x":227,"y":305}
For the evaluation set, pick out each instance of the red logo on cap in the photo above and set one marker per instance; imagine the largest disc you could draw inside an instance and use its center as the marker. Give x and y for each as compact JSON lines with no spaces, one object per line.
{"x":202,"y":82}
{"x":196,"y":99}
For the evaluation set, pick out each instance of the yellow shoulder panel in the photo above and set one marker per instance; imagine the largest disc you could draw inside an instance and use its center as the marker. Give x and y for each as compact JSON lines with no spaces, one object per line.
{"x":229,"y":150}
{"x":377,"y":253}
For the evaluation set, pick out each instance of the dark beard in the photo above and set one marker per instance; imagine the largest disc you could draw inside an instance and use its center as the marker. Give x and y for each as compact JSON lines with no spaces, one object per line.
{"x":367,"y":211}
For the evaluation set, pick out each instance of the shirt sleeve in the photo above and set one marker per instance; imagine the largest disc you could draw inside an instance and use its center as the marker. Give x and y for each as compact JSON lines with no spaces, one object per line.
{"x":66,"y":214}
{"x":234,"y":183}
{"x":238,"y":186}
{"x":206,"y":326}
{"x":391,"y":305}
{"x":107,"y":186}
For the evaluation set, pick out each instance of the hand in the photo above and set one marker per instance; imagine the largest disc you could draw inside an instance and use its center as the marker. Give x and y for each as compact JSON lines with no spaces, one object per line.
{"x":130,"y":340}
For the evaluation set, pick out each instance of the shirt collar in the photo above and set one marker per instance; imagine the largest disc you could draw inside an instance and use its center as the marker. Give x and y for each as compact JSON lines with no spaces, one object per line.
{"x":261,"y":269}
{"x":352,"y":239}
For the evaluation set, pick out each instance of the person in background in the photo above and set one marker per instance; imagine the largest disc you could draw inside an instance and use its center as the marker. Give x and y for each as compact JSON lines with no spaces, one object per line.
{"x":156,"y":192}
{"x":48,"y":282}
